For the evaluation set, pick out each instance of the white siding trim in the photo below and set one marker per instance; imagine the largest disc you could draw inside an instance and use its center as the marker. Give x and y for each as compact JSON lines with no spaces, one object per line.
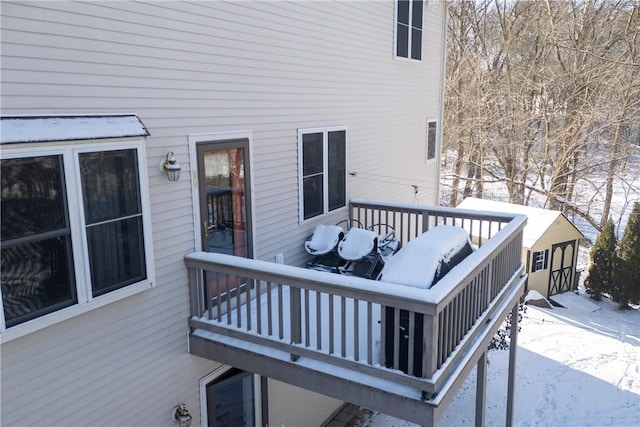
{"x":443,"y":70}
{"x":195,"y":138}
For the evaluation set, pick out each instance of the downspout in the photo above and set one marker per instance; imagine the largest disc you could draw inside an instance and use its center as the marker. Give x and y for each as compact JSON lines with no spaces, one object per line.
{"x":443,"y":70}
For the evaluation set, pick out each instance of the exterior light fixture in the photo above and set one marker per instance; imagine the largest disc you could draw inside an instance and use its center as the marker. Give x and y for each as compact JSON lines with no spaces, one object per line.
{"x":170,"y":167}
{"x":181,"y":415}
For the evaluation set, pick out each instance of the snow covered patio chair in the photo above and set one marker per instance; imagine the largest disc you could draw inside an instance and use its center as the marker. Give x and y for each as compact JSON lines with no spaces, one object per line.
{"x":365,"y":250}
{"x":387,"y":242}
{"x":323,"y":246}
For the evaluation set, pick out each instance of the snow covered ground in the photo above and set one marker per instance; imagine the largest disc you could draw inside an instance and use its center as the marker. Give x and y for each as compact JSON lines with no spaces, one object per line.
{"x":576,"y":366}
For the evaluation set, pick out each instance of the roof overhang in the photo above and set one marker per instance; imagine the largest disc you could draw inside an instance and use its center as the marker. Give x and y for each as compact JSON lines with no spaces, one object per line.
{"x":539,"y":220}
{"x":30,"y":129}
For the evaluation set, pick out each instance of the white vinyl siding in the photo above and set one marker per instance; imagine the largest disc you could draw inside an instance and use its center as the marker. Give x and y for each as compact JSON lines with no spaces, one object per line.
{"x":186,"y":68}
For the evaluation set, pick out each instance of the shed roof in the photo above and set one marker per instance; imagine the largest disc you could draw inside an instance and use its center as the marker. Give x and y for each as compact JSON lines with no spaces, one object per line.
{"x":538,"y":220}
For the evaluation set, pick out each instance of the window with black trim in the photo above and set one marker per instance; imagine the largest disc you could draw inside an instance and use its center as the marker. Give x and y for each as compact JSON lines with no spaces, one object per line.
{"x":409,"y":29}
{"x":322,"y":164}
{"x":432,"y":140}
{"x":539,"y":260}
{"x":72,"y":228}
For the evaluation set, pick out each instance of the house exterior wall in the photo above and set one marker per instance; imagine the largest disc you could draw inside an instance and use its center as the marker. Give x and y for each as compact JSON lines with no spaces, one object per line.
{"x":268,"y":68}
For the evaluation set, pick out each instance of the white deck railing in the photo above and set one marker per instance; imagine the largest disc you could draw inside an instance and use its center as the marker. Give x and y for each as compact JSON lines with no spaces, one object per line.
{"x":344,"y":320}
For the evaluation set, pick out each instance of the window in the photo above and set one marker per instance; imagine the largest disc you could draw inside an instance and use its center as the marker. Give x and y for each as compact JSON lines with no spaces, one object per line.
{"x":539,"y":260}
{"x":75,"y":226}
{"x":409,"y":29}
{"x":432,"y":139}
{"x":36,"y":261}
{"x":322,"y":162}
{"x":231,"y":400}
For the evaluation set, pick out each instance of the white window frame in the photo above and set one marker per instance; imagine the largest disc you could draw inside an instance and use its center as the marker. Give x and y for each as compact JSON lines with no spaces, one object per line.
{"x":325,"y":168}
{"x":436,"y":143}
{"x":539,"y":262}
{"x":71,"y":160}
{"x":410,"y":42}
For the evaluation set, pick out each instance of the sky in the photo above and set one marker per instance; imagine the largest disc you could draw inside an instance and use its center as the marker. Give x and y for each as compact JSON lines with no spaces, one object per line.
{"x":577,"y":365}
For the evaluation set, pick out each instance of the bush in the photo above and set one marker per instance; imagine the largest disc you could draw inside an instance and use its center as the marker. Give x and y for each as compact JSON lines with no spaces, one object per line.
{"x":627,"y":271}
{"x":599,"y":278}
{"x":502,"y":338}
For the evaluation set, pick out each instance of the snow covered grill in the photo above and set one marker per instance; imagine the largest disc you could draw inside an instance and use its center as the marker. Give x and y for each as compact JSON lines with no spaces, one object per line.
{"x":323,"y":331}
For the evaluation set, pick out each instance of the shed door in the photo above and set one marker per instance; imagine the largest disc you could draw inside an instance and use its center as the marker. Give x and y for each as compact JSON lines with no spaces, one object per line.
{"x":562,"y":267}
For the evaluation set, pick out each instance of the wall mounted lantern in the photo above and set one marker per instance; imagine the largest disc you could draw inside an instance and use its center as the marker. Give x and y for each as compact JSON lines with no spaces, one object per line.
{"x":181,"y":415}
{"x":170,"y":167}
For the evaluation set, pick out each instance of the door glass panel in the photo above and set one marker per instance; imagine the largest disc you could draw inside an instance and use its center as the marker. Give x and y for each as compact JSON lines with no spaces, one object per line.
{"x":230,"y":400}
{"x":225,"y":208}
{"x":226,"y":223}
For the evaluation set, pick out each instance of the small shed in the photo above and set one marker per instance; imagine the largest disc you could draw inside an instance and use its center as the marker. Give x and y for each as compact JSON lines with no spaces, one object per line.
{"x":550,"y":244}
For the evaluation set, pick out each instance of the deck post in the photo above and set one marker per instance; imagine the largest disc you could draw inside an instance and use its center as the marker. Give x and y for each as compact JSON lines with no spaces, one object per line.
{"x":296,"y":321}
{"x":511,"y":384}
{"x":481,"y":389}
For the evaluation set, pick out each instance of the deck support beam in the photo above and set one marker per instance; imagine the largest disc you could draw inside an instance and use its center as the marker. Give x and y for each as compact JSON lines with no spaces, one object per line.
{"x":481,"y":389}
{"x":513,"y":345}
{"x":357,"y":388}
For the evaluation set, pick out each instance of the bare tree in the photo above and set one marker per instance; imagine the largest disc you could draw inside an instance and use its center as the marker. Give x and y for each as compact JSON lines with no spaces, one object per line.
{"x":543,"y":97}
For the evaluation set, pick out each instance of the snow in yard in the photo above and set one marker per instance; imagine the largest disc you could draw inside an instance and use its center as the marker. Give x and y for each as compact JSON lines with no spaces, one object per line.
{"x":576,"y":366}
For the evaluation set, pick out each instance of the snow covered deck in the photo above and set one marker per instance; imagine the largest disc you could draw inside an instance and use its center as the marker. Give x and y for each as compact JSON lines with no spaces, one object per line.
{"x":334,"y":334}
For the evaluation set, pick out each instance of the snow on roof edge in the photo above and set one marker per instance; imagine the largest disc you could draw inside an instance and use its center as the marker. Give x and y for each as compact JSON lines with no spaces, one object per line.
{"x":539,"y":220}
{"x":28,"y":129}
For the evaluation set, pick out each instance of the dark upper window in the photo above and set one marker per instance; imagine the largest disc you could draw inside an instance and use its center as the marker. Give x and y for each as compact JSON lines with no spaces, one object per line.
{"x":409,"y":29}
{"x":322,"y":163}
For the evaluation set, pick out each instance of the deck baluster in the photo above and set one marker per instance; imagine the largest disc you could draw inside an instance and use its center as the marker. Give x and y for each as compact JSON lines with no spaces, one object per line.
{"x":451,"y":321}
